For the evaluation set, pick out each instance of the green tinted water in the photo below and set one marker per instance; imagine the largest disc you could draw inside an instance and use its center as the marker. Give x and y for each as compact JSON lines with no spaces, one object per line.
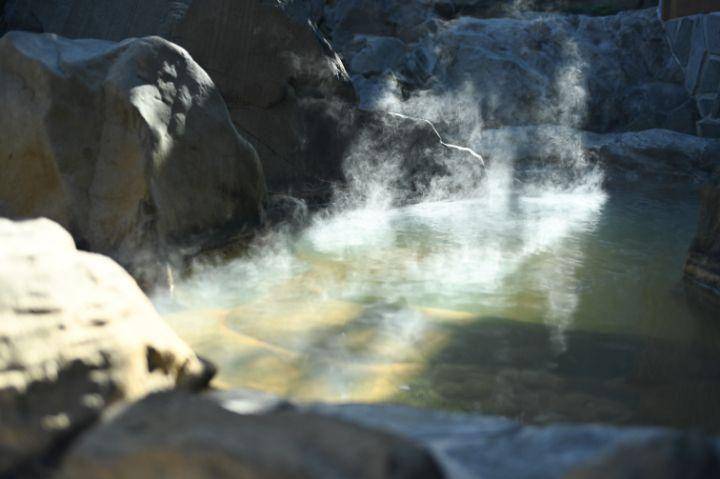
{"x":540,"y":303}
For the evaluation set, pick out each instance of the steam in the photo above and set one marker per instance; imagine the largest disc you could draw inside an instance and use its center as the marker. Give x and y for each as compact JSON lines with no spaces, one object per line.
{"x":505,"y":224}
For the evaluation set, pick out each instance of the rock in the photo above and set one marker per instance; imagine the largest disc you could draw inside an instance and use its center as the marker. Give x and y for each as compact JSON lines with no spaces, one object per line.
{"x":702,"y":266}
{"x":405,"y":154}
{"x":666,"y":155}
{"x":695,"y":41}
{"x":270,"y":63}
{"x":180,"y":435}
{"x":377,"y":55}
{"x":127,"y":145}
{"x":495,"y":8}
{"x":604,"y":74}
{"x":410,"y":157}
{"x":468,"y":445}
{"x":682,"y":457}
{"x":76,"y":336}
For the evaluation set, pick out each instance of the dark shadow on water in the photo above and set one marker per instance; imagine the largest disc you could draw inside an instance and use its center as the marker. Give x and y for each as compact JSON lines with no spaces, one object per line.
{"x":500,"y":366}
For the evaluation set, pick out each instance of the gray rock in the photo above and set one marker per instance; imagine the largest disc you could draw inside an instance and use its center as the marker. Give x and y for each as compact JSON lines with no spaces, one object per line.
{"x":662,"y":154}
{"x":377,"y":55}
{"x":706,"y":105}
{"x":76,"y":336}
{"x":127,"y":145}
{"x":271,"y":65}
{"x":670,"y":457}
{"x":709,"y":127}
{"x":682,"y":41}
{"x":710,"y":76}
{"x":712,"y":32}
{"x":472,"y":446}
{"x":185,"y":436}
{"x":604,"y":74}
{"x":698,"y":53}
{"x":702,"y":266}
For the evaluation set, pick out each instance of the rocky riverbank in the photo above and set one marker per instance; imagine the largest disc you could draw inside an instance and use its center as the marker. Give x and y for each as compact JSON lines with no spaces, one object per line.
{"x":148,"y":132}
{"x":80,"y":344}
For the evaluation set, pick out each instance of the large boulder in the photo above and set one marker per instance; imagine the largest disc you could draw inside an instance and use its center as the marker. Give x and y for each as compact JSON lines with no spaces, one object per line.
{"x":180,"y":435}
{"x":609,"y":73}
{"x":127,"y":145}
{"x":76,"y":336}
{"x":703,"y":262}
{"x":276,"y":72}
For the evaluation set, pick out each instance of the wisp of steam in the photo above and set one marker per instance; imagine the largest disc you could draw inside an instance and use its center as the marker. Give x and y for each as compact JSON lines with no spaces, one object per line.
{"x":366,"y":283}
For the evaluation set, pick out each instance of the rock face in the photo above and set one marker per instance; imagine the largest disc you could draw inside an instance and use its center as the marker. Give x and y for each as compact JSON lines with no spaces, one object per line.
{"x":703,"y":263}
{"x":128,"y":145}
{"x":179,"y":435}
{"x":695,"y":42}
{"x":278,"y":75}
{"x":613,"y":73}
{"x":76,"y":335}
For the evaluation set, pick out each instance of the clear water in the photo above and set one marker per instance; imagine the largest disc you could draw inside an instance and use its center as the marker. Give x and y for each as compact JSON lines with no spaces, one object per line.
{"x":540,"y":302}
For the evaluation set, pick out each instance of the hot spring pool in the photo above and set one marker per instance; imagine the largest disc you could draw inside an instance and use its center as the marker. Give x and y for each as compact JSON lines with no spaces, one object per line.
{"x":538,"y":302}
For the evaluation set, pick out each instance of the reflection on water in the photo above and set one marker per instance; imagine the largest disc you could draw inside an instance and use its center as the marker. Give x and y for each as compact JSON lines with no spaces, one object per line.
{"x":542,"y":303}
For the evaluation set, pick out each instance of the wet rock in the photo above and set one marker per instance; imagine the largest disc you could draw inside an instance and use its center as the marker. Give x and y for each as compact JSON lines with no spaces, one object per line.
{"x":271,"y":64}
{"x":702,"y":266}
{"x":76,"y":336}
{"x":127,"y":145}
{"x":179,"y":435}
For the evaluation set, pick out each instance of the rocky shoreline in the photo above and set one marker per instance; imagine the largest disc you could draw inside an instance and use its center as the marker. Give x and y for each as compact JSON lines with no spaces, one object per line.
{"x":151,"y":137}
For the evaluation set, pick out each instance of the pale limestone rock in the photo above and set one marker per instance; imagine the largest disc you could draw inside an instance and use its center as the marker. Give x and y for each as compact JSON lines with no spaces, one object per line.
{"x":76,"y":335}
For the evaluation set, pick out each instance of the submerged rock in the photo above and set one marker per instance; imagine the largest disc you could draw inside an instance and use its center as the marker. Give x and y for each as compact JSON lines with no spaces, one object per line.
{"x":179,"y":435}
{"x":127,"y":145}
{"x":703,"y":262}
{"x":278,"y":75}
{"x":76,"y":336}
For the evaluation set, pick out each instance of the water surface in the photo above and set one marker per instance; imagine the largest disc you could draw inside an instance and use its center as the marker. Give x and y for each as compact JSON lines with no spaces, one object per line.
{"x":528,"y":299}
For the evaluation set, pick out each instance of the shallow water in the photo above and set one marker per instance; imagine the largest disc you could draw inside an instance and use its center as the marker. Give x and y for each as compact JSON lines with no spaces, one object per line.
{"x":540,"y":302}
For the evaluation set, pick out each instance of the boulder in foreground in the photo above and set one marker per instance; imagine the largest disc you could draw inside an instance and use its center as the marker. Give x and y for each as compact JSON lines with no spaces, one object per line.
{"x":76,"y":335}
{"x":185,"y":436}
